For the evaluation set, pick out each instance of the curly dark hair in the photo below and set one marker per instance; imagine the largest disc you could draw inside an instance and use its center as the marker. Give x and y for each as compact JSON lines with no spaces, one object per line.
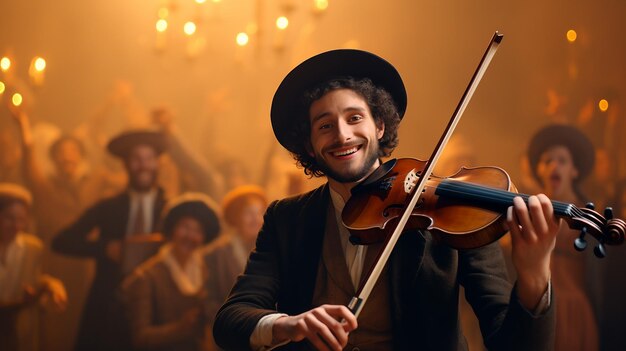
{"x":381,"y":105}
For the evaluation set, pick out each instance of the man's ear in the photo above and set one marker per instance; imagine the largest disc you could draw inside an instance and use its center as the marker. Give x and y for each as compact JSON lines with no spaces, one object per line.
{"x":380,"y":130}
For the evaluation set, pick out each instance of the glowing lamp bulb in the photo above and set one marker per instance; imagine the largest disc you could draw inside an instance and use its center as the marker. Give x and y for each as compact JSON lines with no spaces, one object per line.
{"x":189,"y":28}
{"x":242,"y":39}
{"x":282,"y":22}
{"x":603,"y":105}
{"x":321,"y":5}
{"x":571,"y":35}
{"x":40,"y":64}
{"x":5,"y":64}
{"x":161,"y":25}
{"x":17,"y":99}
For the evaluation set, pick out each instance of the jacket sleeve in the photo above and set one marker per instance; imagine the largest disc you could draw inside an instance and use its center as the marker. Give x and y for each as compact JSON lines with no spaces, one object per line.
{"x":255,"y":292}
{"x":504,"y":322}
{"x":74,"y":240}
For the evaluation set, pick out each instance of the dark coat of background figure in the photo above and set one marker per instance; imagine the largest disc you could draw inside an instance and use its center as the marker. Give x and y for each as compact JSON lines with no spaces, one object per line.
{"x":102,"y":324}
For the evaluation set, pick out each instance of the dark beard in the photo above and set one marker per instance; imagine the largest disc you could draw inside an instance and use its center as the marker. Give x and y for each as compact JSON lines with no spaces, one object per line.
{"x":349,"y":178}
{"x":135,"y":184}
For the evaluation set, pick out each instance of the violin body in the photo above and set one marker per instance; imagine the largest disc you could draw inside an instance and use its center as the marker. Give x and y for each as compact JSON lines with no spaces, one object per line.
{"x":465,"y":210}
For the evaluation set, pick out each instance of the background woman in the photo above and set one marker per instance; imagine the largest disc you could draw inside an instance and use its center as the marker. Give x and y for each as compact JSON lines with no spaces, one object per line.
{"x":165,"y":296}
{"x":561,"y":157}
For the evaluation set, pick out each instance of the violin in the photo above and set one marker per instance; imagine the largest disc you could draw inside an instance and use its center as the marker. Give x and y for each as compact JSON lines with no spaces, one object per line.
{"x":463,"y":211}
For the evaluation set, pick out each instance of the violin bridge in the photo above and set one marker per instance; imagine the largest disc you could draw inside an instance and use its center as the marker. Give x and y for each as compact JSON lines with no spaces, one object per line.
{"x":410,"y":180}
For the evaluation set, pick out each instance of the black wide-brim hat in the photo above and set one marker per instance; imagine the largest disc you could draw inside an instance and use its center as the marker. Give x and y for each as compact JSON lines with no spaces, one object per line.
{"x":122,"y":144}
{"x":579,"y":145}
{"x":323,"y":67}
{"x":195,"y":205}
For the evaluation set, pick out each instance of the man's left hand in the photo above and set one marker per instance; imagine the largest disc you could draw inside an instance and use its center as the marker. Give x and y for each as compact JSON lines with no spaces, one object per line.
{"x":533,"y":230}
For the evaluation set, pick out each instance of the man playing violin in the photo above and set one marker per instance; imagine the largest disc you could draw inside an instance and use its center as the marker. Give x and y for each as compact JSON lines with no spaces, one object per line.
{"x":338,"y":114}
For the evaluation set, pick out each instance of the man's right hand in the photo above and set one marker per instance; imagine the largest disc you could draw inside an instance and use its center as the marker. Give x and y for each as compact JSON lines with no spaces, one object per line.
{"x":326,"y":327}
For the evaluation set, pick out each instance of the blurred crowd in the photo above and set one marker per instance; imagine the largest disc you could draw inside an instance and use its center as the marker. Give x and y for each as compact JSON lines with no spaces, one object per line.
{"x":132,"y":239}
{"x":121,"y":240}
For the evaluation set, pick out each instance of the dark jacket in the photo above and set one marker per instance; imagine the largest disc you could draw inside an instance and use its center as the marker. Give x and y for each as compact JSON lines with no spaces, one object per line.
{"x":424,"y":283}
{"x":88,"y":237}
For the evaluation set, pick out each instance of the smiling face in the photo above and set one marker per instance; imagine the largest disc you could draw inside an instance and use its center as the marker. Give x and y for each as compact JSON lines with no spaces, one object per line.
{"x":142,"y":165}
{"x":250,"y":219}
{"x":344,"y":136}
{"x":557,"y":172}
{"x":187,"y":235}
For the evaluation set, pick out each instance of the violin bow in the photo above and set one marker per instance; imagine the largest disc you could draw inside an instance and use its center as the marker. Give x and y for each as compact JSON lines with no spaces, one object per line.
{"x":356,"y":303}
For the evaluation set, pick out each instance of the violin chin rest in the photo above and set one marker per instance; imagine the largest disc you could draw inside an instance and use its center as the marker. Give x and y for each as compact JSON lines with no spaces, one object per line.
{"x":380,"y":172}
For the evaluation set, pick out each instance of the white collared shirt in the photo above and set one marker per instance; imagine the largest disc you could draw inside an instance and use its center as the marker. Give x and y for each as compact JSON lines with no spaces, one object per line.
{"x":147,"y":202}
{"x":188,"y":278}
{"x":10,"y":270}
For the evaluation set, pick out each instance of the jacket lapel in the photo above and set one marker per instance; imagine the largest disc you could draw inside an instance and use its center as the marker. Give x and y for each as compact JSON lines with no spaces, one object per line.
{"x":333,"y":256}
{"x":123,"y":206}
{"x":159,"y":203}
{"x":306,"y":249}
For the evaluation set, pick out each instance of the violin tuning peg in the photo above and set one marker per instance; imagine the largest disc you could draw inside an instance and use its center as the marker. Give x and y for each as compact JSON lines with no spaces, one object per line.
{"x":580,"y":243}
{"x":608,"y":213}
{"x":590,"y":206}
{"x":599,"y":251}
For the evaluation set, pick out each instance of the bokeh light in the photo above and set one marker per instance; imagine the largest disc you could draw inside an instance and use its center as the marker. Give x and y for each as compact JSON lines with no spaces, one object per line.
{"x":163,"y":12}
{"x":5,"y":64}
{"x":17,"y":99}
{"x":571,"y":35}
{"x":282,"y":22}
{"x":161,"y":25}
{"x":242,"y":39}
{"x":321,"y":5}
{"x":189,"y":28}
{"x":603,"y":105}
{"x":40,"y":64}
{"x":2,"y":87}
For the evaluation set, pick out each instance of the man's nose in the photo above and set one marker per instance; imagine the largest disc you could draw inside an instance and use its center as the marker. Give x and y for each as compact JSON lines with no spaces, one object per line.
{"x":344,"y":132}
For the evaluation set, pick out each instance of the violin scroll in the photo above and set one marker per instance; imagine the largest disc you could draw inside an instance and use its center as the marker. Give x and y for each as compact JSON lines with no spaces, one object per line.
{"x":605,"y":229}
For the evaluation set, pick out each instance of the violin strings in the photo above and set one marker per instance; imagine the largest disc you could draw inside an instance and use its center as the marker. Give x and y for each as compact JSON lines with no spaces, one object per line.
{"x":499,"y":197}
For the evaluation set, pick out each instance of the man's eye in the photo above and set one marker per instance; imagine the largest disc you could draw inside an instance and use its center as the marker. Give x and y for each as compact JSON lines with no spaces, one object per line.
{"x":325,"y":126}
{"x":356,"y":118}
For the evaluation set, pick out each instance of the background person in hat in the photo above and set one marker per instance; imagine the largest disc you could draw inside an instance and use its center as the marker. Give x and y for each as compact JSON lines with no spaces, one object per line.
{"x":165,"y":297}
{"x":102,"y":228}
{"x":338,"y":113}
{"x":561,"y":157}
{"x":242,"y":210}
